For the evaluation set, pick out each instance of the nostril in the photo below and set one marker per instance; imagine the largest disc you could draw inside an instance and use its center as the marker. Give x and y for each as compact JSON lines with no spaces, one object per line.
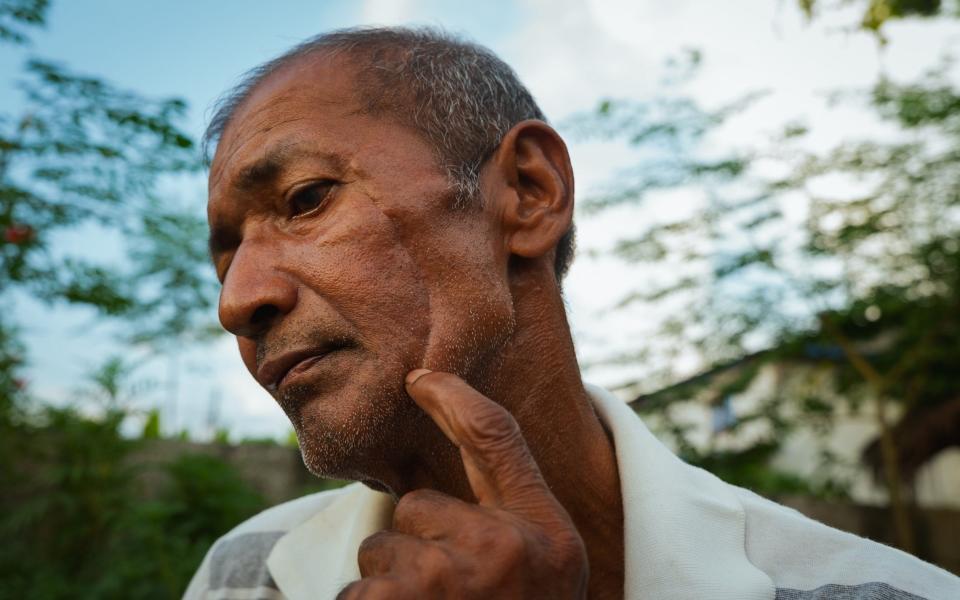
{"x":263,"y":315}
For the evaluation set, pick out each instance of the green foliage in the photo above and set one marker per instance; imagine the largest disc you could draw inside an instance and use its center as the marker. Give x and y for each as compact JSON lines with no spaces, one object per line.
{"x":87,"y":157}
{"x":876,"y":13}
{"x":743,"y":267}
{"x":109,"y":379}
{"x":206,"y":499}
{"x":18,"y":15}
{"x":12,"y":385}
{"x":774,"y":269}
{"x":77,"y":523}
{"x":63,"y":487}
{"x":151,"y":427}
{"x":221,"y":436}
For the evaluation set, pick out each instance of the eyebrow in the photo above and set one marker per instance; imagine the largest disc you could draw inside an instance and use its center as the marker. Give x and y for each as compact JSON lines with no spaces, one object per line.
{"x":268,"y":168}
{"x":262,"y":173}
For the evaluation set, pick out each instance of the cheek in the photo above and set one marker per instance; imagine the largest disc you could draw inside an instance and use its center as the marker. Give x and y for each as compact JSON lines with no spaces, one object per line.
{"x":471,"y":307}
{"x":359,"y":268}
{"x":467,"y":342}
{"x":389,"y":298}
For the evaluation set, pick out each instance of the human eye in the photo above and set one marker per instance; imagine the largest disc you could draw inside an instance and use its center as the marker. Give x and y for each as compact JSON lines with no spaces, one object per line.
{"x":309,"y":198}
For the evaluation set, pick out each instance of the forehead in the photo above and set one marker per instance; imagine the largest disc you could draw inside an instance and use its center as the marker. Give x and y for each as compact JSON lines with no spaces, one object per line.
{"x":311,"y":97}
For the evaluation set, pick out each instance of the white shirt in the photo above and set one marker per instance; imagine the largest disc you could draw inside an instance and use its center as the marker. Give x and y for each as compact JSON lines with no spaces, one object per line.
{"x":687,"y":535}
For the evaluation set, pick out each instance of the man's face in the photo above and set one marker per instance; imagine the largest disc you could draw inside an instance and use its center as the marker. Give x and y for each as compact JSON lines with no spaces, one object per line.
{"x":343,"y":267}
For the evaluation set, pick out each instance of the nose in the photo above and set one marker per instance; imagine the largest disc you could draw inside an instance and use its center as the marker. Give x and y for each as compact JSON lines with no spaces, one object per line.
{"x":255,"y":294}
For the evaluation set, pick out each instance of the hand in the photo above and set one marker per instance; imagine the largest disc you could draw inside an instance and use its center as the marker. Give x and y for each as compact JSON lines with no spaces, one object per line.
{"x":516,"y":542}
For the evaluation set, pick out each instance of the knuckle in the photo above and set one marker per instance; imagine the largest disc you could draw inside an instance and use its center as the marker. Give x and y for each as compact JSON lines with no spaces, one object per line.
{"x":408,"y":508}
{"x":569,"y":553}
{"x":352,"y":591}
{"x":513,"y":546}
{"x":492,"y":427}
{"x":373,"y":587}
{"x":416,"y":500}
{"x":374,"y":553}
{"x":373,"y":542}
{"x":415,"y":506}
{"x":434,"y":564}
{"x":502,"y":543}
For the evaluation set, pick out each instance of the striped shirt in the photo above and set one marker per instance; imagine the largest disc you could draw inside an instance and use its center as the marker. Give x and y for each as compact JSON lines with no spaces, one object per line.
{"x":687,"y":535}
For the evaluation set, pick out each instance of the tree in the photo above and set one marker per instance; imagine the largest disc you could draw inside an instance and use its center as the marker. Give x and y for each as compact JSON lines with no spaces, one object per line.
{"x":860,"y":277}
{"x":85,"y":156}
{"x":16,"y":16}
{"x":876,"y":13}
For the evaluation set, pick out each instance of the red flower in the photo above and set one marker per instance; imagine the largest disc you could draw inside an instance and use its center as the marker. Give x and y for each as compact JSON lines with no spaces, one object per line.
{"x":18,"y":234}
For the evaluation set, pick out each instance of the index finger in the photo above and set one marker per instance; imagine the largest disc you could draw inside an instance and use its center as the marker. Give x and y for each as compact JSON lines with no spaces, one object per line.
{"x":496,"y":458}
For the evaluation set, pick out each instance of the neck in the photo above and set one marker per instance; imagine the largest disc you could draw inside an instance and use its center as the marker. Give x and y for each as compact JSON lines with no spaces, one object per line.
{"x":538,"y":380}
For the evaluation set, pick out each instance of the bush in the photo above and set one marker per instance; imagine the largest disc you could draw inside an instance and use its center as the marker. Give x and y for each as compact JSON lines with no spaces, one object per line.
{"x":75,"y":522}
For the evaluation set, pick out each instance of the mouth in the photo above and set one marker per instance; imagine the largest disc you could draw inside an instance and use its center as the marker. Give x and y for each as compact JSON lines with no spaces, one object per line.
{"x":276,"y":372}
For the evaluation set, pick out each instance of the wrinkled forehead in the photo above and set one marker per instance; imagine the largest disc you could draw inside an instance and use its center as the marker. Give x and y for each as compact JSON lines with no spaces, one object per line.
{"x":307,"y":89}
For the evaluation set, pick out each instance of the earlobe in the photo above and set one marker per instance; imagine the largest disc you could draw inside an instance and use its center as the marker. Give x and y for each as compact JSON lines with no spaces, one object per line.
{"x":538,"y":210}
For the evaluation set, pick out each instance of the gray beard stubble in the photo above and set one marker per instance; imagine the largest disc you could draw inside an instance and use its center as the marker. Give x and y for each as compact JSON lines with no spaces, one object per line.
{"x":380,"y":431}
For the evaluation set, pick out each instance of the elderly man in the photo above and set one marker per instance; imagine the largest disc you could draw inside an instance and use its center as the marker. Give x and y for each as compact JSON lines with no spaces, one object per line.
{"x":391,"y":219}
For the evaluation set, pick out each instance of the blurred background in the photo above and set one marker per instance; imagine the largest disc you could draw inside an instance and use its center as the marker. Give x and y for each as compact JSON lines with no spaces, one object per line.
{"x":768,"y":267}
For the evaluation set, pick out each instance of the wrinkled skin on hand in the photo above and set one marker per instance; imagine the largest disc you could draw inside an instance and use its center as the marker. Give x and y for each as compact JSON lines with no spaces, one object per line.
{"x":516,"y":541}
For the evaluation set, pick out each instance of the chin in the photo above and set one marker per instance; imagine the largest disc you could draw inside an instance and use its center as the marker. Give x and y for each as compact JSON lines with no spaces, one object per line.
{"x":357,"y":431}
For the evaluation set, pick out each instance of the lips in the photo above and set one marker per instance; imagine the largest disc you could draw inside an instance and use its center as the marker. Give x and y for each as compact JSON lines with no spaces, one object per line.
{"x":274,"y":371}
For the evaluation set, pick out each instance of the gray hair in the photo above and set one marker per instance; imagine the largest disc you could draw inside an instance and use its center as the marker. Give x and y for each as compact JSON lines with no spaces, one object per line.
{"x":458,"y":95}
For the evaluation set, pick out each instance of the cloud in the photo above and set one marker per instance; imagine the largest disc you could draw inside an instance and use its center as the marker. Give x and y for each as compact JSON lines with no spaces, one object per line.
{"x":387,"y":12}
{"x":573,"y":53}
{"x":568,"y":60}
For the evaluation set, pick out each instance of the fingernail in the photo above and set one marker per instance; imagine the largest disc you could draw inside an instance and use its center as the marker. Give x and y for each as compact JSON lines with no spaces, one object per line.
{"x":416,"y":374}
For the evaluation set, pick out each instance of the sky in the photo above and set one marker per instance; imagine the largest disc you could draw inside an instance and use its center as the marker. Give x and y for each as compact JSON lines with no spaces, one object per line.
{"x":570,"y":53}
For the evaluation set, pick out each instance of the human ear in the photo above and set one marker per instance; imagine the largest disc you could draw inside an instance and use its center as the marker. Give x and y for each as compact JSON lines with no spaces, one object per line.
{"x":537,"y":209}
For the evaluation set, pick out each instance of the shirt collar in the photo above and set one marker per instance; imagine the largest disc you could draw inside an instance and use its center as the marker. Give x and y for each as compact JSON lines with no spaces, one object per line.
{"x":684,"y":529}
